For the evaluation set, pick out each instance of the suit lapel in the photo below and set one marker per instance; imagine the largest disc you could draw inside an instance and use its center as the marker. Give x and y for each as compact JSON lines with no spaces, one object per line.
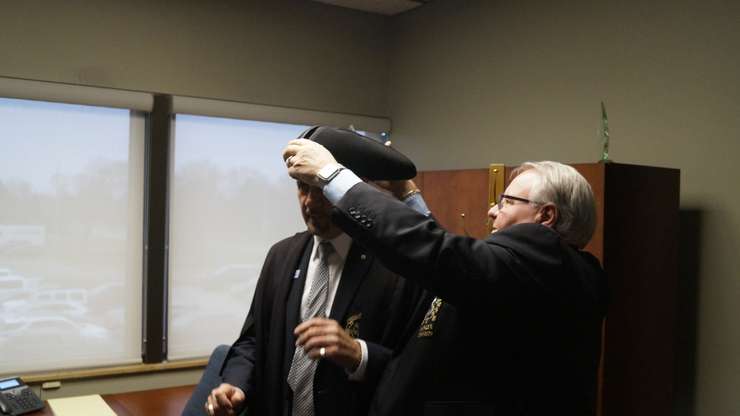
{"x":288,"y":309}
{"x":293,"y":257}
{"x":356,"y":267}
{"x":293,"y":295}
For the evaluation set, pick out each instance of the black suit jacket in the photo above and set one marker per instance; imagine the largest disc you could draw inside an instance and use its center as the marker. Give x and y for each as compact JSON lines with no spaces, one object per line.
{"x":516,"y":327}
{"x":372,"y":303}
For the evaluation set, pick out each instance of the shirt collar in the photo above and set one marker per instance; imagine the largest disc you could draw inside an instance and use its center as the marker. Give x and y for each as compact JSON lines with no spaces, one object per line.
{"x":341,"y":244}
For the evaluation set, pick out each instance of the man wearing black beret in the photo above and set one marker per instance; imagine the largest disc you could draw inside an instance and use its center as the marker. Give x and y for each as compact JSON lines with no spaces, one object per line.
{"x":326,"y":315}
{"x":515,"y":325}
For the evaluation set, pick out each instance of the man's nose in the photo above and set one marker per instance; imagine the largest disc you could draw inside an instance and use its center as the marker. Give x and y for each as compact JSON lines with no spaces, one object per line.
{"x":493,"y":212}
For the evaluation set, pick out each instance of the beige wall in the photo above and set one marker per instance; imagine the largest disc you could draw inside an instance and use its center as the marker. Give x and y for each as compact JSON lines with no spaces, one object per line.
{"x":289,"y":53}
{"x":474,"y":82}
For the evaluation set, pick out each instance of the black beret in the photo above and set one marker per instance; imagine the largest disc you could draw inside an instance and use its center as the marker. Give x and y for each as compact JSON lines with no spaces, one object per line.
{"x":366,"y":157}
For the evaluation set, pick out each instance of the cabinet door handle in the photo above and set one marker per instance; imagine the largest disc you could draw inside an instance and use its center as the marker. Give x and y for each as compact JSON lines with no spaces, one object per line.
{"x":462,"y":220}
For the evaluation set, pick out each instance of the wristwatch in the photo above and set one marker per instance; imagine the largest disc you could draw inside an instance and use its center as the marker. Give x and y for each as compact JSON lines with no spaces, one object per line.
{"x":328,"y":172}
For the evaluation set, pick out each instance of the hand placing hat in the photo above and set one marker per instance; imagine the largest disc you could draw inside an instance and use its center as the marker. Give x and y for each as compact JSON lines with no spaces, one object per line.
{"x":305,"y":158}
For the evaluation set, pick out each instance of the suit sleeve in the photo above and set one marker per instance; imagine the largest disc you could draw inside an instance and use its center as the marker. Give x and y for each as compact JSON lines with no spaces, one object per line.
{"x":406,"y":323}
{"x":378,"y":357}
{"x":410,"y":303}
{"x":240,"y":365}
{"x":460,"y":269}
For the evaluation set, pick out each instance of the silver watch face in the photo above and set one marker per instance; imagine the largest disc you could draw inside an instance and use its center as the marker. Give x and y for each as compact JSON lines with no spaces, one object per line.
{"x":328,"y":172}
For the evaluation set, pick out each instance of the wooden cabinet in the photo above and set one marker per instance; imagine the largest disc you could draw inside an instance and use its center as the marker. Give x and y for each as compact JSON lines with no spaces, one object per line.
{"x":457,"y":198}
{"x":637,"y":242}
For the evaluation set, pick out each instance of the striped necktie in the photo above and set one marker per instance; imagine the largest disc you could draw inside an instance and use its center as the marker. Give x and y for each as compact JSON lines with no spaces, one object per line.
{"x":300,"y":376}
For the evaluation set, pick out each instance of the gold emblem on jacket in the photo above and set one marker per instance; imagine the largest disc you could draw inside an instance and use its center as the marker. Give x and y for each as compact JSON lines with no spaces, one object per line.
{"x":352,"y":325}
{"x":427,"y":325}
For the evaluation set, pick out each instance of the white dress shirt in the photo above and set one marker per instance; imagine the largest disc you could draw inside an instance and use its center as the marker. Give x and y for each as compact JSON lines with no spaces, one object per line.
{"x":341,"y":246}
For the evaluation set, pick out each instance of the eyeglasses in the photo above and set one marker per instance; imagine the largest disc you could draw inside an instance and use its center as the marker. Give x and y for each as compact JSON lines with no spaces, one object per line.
{"x":510,"y":201}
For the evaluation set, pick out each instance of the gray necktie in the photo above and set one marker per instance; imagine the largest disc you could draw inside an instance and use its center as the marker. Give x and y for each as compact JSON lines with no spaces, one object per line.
{"x":300,"y":376}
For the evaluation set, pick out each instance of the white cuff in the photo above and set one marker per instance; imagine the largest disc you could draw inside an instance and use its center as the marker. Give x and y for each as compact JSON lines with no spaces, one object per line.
{"x":337,"y":187}
{"x":359,"y":373}
{"x":346,"y":179}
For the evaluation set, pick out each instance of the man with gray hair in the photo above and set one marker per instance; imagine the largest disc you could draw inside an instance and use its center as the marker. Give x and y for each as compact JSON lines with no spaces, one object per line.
{"x":515,"y":327}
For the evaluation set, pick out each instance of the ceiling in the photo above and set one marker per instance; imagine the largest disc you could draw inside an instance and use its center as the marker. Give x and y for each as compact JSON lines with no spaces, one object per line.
{"x":386,"y":7}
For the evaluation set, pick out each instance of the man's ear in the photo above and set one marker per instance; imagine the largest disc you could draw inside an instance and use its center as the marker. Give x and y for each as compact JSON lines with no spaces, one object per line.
{"x":548,"y":215}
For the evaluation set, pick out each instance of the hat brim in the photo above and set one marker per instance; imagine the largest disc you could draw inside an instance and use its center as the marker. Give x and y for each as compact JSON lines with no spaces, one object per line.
{"x":366,"y":157}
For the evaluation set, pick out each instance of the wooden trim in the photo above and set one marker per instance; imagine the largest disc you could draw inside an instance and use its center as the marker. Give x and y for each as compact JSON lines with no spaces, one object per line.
{"x":496,"y":185}
{"x":114,"y":370}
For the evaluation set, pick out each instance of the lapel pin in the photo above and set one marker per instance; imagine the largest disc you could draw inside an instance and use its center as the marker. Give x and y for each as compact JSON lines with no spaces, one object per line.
{"x":363,"y":257}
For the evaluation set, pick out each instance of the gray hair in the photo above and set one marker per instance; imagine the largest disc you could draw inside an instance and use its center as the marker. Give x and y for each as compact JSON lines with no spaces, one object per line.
{"x":569,"y":191}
